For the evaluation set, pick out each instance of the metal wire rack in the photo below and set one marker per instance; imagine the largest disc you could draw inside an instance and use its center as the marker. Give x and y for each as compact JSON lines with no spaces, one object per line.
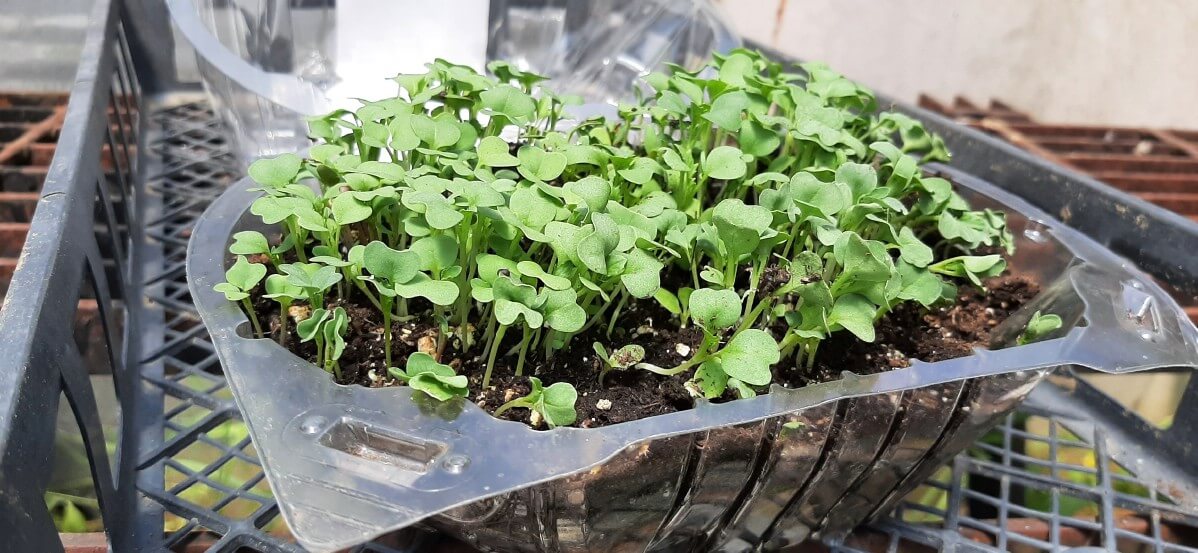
{"x":1042,"y":481}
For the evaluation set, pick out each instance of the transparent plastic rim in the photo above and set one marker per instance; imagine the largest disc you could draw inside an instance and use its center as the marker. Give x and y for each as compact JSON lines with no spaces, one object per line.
{"x":455,"y":454}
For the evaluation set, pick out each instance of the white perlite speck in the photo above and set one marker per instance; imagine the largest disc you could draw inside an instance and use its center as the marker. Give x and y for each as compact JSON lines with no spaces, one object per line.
{"x":603,"y":404}
{"x":682,"y":349}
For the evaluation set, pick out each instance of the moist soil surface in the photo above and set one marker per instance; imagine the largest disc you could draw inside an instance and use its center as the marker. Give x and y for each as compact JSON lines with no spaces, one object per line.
{"x":908,"y":332}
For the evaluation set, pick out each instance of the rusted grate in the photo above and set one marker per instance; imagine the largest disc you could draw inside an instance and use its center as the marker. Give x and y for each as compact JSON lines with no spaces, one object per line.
{"x":28,"y":125}
{"x":1158,"y":165}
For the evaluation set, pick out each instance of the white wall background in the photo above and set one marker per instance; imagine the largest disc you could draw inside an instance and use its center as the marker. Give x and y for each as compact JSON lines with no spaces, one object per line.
{"x":1126,"y":62}
{"x":41,"y":41}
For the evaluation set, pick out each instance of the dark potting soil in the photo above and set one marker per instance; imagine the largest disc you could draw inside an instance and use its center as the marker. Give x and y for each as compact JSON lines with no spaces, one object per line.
{"x":908,"y":332}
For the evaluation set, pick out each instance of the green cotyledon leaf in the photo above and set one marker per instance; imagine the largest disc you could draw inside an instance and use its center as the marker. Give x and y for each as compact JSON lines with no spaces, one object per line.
{"x":437,"y":253}
{"x":725,"y":163}
{"x":561,"y":310}
{"x":642,"y":274}
{"x":334,"y":333}
{"x":749,"y":355}
{"x":727,"y":110}
{"x":556,"y":404}
{"x":277,"y":288}
{"x":756,"y":139}
{"x":711,"y":378}
{"x":348,"y":209}
{"x":740,"y":226}
{"x":438,"y":211}
{"x":713,"y":309}
{"x":534,"y":270}
{"x":277,"y":171}
{"x":493,"y":152}
{"x":854,"y":313}
{"x":249,"y":242}
{"x":918,"y":284}
{"x":510,"y":102}
{"x":1039,"y":326}
{"x":974,"y":267}
{"x":387,"y":173}
{"x":515,"y":300}
{"x":245,"y":275}
{"x":439,"y":292}
{"x":863,"y":262}
{"x":598,"y":242}
{"x":912,"y":249}
{"x":641,"y":171}
{"x":394,"y":266}
{"x":537,"y":164}
{"x":591,"y":191}
{"x":309,"y":328}
{"x":425,"y":374}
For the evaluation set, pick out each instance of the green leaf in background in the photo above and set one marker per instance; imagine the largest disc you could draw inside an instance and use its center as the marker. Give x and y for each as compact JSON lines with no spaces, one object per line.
{"x":277,"y":171}
{"x":725,"y":163}
{"x":493,"y":152}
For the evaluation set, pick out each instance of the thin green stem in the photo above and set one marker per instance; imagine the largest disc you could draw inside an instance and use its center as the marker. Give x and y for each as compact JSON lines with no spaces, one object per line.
{"x":284,"y":308}
{"x":295,"y":230}
{"x":518,"y":402}
{"x":374,"y":300}
{"x":685,"y":366}
{"x":494,"y":350}
{"x":249,"y":309}
{"x":523,"y":351}
{"x":754,"y":282}
{"x":789,"y":342}
{"x":615,"y":314}
{"x":320,"y":351}
{"x":386,"y":309}
{"x":606,"y":369}
{"x":730,"y":274}
{"x":756,"y":312}
{"x":488,"y":336}
{"x":811,"y":349}
{"x":465,"y":254}
{"x":598,"y":314}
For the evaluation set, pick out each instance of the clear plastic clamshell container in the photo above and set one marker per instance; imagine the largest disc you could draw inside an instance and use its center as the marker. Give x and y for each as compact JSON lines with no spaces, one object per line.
{"x":349,"y":463}
{"x":268,"y":64}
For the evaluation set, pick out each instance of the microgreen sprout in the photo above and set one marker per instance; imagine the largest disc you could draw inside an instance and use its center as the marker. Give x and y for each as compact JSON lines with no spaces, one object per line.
{"x":240,"y":279}
{"x":425,"y":374}
{"x":327,"y":330}
{"x":1038,"y":327}
{"x":780,"y":207}
{"x":620,"y":359}
{"x":554,"y":403}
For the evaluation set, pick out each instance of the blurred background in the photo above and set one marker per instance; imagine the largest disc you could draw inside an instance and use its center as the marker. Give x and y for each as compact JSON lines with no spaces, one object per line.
{"x":1112,"y":62}
{"x":1116,"y":62}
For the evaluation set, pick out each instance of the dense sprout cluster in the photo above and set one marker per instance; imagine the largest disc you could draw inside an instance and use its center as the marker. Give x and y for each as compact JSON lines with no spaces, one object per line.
{"x":472,"y":202}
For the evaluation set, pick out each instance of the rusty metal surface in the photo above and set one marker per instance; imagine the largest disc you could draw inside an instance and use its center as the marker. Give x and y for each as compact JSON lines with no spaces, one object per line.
{"x":1158,"y":165}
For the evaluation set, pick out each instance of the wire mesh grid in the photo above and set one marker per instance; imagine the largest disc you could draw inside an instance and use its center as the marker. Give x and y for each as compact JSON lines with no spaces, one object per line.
{"x":1030,"y":485}
{"x":197,"y":463}
{"x":1037,"y":482}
